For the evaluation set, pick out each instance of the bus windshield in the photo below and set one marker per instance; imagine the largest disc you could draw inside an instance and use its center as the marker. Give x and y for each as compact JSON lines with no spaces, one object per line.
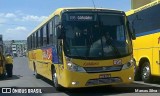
{"x":96,"y":36}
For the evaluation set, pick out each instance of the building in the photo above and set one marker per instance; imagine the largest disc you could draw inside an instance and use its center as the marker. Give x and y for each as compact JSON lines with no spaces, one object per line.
{"x":138,"y":3}
{"x":7,"y":47}
{"x":16,"y":47}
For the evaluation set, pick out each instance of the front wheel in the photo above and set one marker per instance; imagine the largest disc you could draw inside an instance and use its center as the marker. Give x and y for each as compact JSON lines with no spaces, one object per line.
{"x":146,"y":72}
{"x":55,"y":80}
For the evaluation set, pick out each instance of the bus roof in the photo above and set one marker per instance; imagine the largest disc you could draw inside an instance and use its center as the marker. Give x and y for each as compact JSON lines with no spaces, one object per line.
{"x":59,"y":10}
{"x":143,"y":7}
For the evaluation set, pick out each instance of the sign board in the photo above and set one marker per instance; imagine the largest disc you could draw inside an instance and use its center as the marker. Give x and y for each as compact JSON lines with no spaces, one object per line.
{"x":81,"y":17}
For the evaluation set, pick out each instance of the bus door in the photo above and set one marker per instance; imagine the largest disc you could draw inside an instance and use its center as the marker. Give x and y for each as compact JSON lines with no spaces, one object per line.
{"x":60,"y":58}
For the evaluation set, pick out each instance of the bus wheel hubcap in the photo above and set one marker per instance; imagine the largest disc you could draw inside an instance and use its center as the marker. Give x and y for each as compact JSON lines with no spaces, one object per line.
{"x":35,"y":73}
{"x":55,"y":79}
{"x":146,"y":72}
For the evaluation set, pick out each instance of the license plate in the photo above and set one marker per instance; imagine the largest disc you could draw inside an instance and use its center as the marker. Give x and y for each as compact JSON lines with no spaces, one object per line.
{"x":104,"y":75}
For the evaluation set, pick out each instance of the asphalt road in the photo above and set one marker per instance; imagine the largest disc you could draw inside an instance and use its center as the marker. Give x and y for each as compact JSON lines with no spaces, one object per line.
{"x":24,"y":78}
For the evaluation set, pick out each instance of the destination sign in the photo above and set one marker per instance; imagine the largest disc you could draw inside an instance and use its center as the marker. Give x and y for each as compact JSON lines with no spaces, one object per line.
{"x":81,"y":18}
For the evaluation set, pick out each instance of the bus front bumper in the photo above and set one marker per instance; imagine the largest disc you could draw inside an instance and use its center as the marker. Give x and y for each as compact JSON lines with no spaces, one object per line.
{"x":77,"y":79}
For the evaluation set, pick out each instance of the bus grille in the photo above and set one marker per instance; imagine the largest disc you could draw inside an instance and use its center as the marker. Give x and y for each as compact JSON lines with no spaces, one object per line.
{"x":103,"y":69}
{"x":103,"y":81}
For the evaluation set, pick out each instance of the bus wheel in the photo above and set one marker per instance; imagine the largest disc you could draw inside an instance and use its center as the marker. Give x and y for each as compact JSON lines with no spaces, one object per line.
{"x":137,"y":74}
{"x":146,"y":72}
{"x":55,"y":80}
{"x":35,"y":72}
{"x":3,"y":75}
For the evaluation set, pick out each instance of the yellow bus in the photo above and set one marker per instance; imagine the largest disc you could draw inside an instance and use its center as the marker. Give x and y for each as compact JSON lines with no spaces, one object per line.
{"x":2,"y":66}
{"x":2,"y":62}
{"x":146,"y":23}
{"x":83,"y":47}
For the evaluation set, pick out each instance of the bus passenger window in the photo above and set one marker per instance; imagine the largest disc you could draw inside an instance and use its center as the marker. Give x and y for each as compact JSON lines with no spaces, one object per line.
{"x":44,"y":36}
{"x":36,"y":39}
{"x":47,"y":34}
{"x":41,"y":37}
{"x":50,"y":33}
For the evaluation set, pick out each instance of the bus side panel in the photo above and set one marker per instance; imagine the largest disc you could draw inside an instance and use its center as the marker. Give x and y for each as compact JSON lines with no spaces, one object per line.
{"x":35,"y":57}
{"x":47,"y":56}
{"x":156,"y":55}
{"x":49,"y":71}
{"x":1,"y":71}
{"x":40,"y":62}
{"x":143,"y":49}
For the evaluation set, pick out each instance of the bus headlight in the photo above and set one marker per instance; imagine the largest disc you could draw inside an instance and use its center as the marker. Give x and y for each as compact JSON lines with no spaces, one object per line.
{"x":74,"y":67}
{"x":129,"y":64}
{"x":126,"y":66}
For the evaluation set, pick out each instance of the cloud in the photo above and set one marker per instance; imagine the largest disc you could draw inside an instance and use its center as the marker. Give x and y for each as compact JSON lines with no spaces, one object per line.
{"x":1,"y":14}
{"x":17,"y":29}
{"x":2,"y":20}
{"x":19,"y":16}
{"x":10,"y":15}
{"x":34,"y":18}
{"x":7,"y":15}
{"x":17,"y":25}
{"x":17,"y":33}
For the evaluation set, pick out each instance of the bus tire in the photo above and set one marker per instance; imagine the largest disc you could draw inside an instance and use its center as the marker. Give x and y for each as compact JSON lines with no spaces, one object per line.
{"x":35,"y":72}
{"x":137,"y":76}
{"x":146,"y":72}
{"x":3,"y":76}
{"x":55,"y":80}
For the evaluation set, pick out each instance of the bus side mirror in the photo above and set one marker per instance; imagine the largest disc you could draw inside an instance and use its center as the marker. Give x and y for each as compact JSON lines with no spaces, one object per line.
{"x":133,"y":34}
{"x":59,"y":31}
{"x":131,"y":31}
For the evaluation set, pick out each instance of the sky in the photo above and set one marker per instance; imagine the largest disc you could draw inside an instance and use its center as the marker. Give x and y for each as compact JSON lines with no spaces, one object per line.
{"x":19,"y":17}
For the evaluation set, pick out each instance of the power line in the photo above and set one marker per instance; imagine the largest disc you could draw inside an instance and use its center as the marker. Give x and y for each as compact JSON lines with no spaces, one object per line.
{"x":94,"y":4}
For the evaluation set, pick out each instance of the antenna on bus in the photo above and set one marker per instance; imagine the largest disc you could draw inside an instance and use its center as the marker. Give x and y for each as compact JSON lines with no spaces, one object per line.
{"x":94,"y":4}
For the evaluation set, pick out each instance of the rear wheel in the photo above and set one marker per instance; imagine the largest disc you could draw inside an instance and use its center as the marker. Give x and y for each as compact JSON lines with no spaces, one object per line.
{"x":146,"y":72}
{"x":4,"y":73}
{"x":3,"y":76}
{"x":35,"y":72}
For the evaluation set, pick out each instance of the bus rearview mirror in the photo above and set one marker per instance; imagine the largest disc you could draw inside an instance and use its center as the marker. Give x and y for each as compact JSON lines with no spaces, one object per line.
{"x":132,"y":30}
{"x":133,"y":34}
{"x":59,"y":31}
